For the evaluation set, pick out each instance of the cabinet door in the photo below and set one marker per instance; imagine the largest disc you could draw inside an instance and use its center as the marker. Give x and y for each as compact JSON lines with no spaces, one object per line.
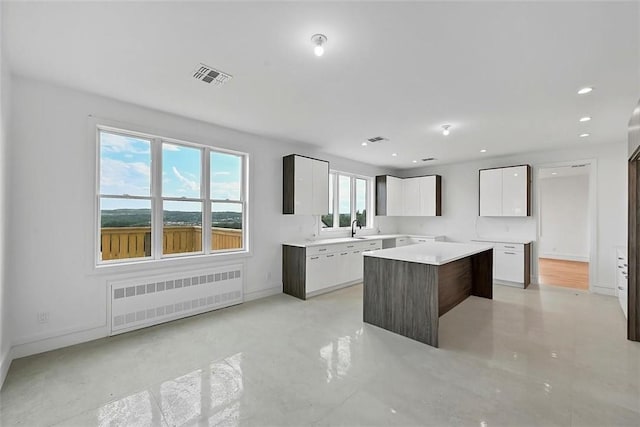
{"x":411,"y":197}
{"x":320,"y":187}
{"x":314,"y":274}
{"x":491,"y":192}
{"x":427,"y":195}
{"x":394,"y":196}
{"x":514,"y":191}
{"x":509,"y":265}
{"x":303,"y":186}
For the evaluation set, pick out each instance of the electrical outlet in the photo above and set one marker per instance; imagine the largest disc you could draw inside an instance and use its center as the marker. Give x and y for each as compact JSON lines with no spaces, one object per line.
{"x":43,"y":317}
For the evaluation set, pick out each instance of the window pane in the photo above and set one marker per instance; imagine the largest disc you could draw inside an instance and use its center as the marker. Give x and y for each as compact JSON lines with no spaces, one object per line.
{"x":226,"y":226}
{"x":226,"y":176}
{"x":125,"y":165}
{"x":181,"y":171}
{"x":344,"y":202}
{"x":327,"y":220}
{"x":182,"y":227}
{"x":361,"y":201}
{"x":125,"y":228}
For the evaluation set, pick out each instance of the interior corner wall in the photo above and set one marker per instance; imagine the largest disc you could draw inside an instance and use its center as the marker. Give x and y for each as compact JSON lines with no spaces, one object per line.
{"x":52,"y":209}
{"x":5,"y":84}
{"x":564,"y":218}
{"x":460,"y":196}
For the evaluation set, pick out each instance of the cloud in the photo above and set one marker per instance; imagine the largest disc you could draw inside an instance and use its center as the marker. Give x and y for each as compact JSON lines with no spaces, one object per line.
{"x":221,"y":173}
{"x":118,"y":177}
{"x":225,"y":190}
{"x":192,"y":185}
{"x":112,"y":143}
{"x":170,"y":147}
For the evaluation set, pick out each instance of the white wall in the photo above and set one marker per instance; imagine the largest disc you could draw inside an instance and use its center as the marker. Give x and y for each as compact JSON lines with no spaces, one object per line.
{"x":5,"y":83}
{"x":564,"y":217}
{"x":52,"y":198}
{"x":460,"y":221}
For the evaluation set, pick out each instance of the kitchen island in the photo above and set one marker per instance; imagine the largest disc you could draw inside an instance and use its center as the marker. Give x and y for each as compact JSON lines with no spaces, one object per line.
{"x":407,"y":289}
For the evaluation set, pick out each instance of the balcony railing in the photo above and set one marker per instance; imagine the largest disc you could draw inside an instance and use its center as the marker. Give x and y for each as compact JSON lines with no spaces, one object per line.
{"x":135,"y":242}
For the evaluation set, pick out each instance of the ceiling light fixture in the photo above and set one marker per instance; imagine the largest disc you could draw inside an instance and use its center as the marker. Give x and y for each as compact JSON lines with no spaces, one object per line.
{"x":394,"y":154}
{"x":318,"y":40}
{"x":483,"y":151}
{"x":585,"y":90}
{"x":554,"y":173}
{"x":585,"y":119}
{"x":414,"y":161}
{"x":584,"y":135}
{"x":445,"y":130}
{"x":364,"y":144}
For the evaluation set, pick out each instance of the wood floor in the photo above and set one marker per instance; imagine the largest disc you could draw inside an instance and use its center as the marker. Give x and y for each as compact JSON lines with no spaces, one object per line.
{"x":568,"y":274}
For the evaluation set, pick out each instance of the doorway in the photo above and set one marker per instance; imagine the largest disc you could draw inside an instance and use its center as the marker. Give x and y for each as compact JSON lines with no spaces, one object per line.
{"x":564,"y":228}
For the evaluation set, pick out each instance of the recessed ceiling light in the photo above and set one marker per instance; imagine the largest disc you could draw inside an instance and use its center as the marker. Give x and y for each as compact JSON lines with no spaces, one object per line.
{"x":515,"y":174}
{"x":585,"y":90}
{"x":483,"y":151}
{"x":584,"y":135}
{"x":585,"y":119}
{"x":394,"y":154}
{"x":318,"y":40}
{"x":414,"y":161}
{"x":445,"y":130}
{"x":554,"y":173}
{"x":364,"y":144}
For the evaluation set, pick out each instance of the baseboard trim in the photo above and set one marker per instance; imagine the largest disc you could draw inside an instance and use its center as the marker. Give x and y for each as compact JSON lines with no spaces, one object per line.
{"x":333,"y":288}
{"x":604,"y":291}
{"x":262,"y":293}
{"x":5,"y":363}
{"x":60,"y":341}
{"x":565,"y":257}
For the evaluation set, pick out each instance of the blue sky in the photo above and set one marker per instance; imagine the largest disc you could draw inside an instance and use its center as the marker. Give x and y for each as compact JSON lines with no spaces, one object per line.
{"x":125,"y":168}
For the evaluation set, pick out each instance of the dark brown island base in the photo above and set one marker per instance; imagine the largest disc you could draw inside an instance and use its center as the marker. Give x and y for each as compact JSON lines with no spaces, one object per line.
{"x":407,"y":289}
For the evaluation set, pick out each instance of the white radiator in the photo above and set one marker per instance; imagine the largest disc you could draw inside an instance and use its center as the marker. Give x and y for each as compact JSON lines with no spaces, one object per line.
{"x":149,"y":300}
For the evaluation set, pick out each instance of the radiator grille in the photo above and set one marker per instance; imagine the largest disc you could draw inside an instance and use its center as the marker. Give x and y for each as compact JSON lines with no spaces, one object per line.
{"x":148,"y":301}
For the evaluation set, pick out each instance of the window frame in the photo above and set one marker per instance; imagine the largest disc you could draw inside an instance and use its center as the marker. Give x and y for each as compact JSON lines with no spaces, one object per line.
{"x":369,"y":200}
{"x":157,"y":200}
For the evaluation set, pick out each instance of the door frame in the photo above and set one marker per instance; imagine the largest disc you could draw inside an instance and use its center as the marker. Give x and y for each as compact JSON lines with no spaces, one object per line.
{"x":593,"y":214}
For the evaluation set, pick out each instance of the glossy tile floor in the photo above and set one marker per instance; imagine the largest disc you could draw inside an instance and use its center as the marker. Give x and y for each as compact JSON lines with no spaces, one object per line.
{"x":541,"y":357}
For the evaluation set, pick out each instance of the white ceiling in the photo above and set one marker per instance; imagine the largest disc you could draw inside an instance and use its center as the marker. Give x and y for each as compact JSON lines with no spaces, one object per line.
{"x":504,"y":75}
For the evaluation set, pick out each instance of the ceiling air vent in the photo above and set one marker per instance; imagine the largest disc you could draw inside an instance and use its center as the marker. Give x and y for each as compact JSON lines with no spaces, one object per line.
{"x":578,"y":166}
{"x":377,"y":139}
{"x":429,"y":159}
{"x":210,"y":75}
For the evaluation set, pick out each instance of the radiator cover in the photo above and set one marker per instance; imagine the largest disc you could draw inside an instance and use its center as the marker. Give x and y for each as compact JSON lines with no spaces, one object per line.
{"x":150,"y":300}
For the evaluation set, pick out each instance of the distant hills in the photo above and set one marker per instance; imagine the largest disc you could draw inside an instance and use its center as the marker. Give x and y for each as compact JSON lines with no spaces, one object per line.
{"x":142,"y":218}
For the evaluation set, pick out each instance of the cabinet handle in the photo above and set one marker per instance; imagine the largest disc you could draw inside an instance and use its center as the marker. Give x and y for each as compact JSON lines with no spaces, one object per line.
{"x":621,"y":288}
{"x":315,"y":257}
{"x":625,"y":265}
{"x":356,"y":252}
{"x":349,"y":246}
{"x":329,"y":256}
{"x":345,"y":253}
{"x":620,"y":258}
{"x":322,"y":250}
{"x":372,"y":244}
{"x":510,"y":253}
{"x":620,"y":266}
{"x":510,"y":247}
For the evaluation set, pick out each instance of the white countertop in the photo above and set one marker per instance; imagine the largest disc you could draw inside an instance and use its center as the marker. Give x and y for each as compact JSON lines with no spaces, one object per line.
{"x":358,"y":238}
{"x":503,"y":240}
{"x":432,"y":253}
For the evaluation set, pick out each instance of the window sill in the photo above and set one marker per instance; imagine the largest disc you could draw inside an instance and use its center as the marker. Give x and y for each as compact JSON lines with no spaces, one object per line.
{"x":168,"y":263}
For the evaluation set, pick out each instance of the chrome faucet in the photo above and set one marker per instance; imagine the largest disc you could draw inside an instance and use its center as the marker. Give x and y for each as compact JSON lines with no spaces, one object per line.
{"x":353,"y":230}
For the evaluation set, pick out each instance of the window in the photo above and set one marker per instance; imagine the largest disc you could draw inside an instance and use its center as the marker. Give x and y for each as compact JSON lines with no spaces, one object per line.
{"x":155,"y":198}
{"x":350,"y":197}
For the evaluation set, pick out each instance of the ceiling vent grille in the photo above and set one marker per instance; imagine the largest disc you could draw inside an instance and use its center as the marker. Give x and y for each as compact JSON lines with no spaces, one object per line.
{"x":578,"y":166}
{"x":428,"y":159}
{"x":377,"y":139}
{"x":210,"y":75}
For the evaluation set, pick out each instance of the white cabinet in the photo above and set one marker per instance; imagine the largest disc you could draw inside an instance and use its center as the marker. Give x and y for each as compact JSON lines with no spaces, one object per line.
{"x":505,"y":191}
{"x":305,"y":186}
{"x":395,"y":196}
{"x":511,"y":263}
{"x":491,"y":192}
{"x":417,"y":196}
{"x":622,"y":284}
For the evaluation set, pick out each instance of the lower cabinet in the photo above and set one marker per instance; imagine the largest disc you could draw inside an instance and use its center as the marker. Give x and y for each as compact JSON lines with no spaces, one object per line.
{"x":309,"y":271}
{"x":622,"y":288}
{"x":512,"y":264}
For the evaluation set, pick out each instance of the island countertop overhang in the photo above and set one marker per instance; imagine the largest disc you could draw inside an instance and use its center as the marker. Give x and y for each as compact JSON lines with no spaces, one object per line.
{"x":431,"y":253}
